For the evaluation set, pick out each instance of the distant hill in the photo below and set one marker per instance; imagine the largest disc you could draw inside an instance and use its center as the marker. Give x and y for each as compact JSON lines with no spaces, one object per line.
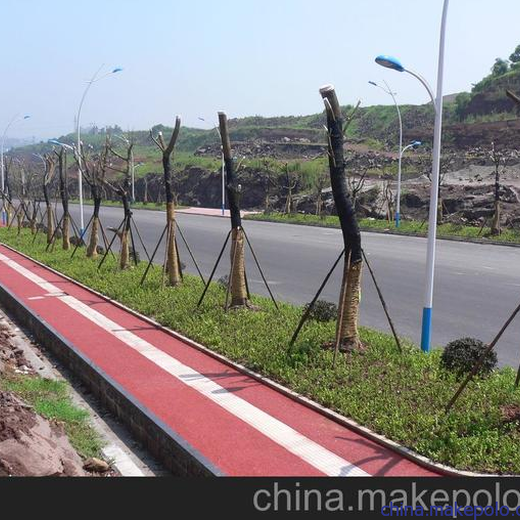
{"x":470,"y":119}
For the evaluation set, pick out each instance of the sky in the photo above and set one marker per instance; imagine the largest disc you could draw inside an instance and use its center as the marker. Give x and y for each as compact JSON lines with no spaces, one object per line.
{"x":246,"y":57}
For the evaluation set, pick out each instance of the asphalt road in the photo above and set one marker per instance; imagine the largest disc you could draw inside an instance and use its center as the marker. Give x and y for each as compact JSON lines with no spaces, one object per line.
{"x":476,"y":289}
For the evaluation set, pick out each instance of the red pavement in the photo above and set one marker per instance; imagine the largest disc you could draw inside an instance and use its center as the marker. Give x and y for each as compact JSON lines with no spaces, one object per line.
{"x":242,"y":426}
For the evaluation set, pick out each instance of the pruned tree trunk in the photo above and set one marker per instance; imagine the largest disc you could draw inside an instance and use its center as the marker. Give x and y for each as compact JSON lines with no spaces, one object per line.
{"x":50,"y":223}
{"x":48,"y":206}
{"x":19,"y":220}
{"x":347,"y":334}
{"x":124,"y":256}
{"x":172,"y":266}
{"x":94,"y":229}
{"x":34,"y":216}
{"x":145,"y":195}
{"x":238,"y":287}
{"x":172,"y":260}
{"x":64,"y":194}
{"x":66,"y":232}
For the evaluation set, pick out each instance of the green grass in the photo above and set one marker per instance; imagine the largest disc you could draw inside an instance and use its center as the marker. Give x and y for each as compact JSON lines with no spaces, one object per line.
{"x":407,"y":227}
{"x":52,"y":400}
{"x":400,"y":396}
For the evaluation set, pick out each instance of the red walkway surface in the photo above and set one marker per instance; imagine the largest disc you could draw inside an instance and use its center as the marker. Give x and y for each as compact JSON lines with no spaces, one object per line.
{"x":240,"y":425}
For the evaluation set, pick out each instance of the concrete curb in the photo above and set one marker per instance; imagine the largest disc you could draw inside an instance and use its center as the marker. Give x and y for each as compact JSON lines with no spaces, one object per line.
{"x":330,"y":414}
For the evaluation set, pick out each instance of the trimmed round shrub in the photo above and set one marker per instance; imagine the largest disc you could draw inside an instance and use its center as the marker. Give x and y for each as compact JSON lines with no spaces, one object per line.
{"x":462,"y":354}
{"x":323,"y":311}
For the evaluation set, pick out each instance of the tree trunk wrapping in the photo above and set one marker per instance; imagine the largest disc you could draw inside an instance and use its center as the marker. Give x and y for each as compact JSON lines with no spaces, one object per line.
{"x":94,"y":228}
{"x":124,"y":257}
{"x":50,"y":223}
{"x":238,"y":278}
{"x":172,"y":263}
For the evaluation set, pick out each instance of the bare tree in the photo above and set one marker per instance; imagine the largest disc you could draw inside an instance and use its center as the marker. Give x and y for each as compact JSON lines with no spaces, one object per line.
{"x":347,"y":334}
{"x":269,"y":182}
{"x":446,"y":166}
{"x":172,"y":266}
{"x":48,"y":176}
{"x":500,"y":161}
{"x":319,"y":184}
{"x":356,"y":186}
{"x":388,"y":201}
{"x":288,"y":182}
{"x":94,"y":167}
{"x":8,"y":163}
{"x":237,"y":276}
{"x":64,"y":195}
{"x":122,"y":188}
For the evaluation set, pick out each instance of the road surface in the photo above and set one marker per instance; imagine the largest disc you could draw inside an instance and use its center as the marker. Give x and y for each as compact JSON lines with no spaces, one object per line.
{"x":476,"y":288}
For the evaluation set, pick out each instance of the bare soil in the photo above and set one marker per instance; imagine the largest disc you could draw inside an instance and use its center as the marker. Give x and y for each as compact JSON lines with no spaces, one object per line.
{"x":30,"y":445}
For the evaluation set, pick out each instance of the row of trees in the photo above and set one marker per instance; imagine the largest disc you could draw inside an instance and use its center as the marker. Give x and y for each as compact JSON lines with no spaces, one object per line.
{"x":109,"y":170}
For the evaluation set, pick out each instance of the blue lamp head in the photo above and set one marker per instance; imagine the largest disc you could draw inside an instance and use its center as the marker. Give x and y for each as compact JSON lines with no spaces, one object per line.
{"x":117,"y":69}
{"x":54,"y":141}
{"x":416,"y":144}
{"x":390,"y":63}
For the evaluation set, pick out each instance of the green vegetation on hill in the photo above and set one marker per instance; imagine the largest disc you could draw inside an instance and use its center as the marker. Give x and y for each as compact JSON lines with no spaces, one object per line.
{"x":373,"y":125}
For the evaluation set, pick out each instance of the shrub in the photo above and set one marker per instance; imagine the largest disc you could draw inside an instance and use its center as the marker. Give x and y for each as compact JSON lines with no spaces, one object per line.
{"x":462,"y":354}
{"x":323,"y":311}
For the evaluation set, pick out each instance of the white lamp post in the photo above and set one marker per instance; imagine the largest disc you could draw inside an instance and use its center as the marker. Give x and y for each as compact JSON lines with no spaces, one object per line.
{"x":15,"y":119}
{"x":393,"y":63}
{"x":95,"y":78}
{"x":389,"y":91}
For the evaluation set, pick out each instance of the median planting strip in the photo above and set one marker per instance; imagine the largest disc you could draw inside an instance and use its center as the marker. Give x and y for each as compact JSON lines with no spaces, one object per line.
{"x":448,"y":231}
{"x":244,"y":428}
{"x":399,"y":396}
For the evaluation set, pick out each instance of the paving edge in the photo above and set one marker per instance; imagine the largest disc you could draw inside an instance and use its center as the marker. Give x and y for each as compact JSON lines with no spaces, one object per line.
{"x":167,"y":446}
{"x":309,"y":403}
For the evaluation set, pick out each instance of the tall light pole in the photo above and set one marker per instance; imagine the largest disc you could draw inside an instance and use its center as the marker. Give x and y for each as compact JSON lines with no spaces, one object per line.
{"x":223,"y":173}
{"x":393,"y":63}
{"x":15,"y":119}
{"x":389,"y":91}
{"x":95,"y":78}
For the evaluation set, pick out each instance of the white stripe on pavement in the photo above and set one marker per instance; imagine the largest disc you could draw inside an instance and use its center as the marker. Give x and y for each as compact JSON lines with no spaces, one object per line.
{"x":314,"y":454}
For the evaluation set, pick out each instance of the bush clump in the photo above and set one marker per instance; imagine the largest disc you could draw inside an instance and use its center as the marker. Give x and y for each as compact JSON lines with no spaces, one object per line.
{"x":461,"y":355}
{"x":323,"y":311}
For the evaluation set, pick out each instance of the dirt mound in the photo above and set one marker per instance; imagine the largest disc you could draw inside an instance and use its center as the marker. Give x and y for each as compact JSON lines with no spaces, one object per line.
{"x":10,"y":355}
{"x":30,"y":445}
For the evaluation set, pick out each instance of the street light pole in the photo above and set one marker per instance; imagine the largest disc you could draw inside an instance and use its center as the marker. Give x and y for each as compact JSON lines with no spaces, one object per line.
{"x":93,"y":80}
{"x":15,"y":119}
{"x":392,"y":63}
{"x":389,"y":91}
